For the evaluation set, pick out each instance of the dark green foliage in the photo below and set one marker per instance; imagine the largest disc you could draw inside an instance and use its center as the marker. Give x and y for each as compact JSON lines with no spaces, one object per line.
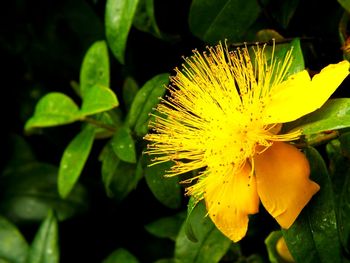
{"x":313,"y":236}
{"x":81,"y":80}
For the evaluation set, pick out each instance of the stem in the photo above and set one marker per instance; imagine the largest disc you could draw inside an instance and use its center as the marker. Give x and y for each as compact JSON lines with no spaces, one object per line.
{"x":100,"y":124}
{"x":318,"y":139}
{"x":271,"y":42}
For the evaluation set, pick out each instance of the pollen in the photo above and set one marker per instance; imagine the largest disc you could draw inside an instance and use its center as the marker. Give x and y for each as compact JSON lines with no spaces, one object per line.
{"x":215,"y":115}
{"x":223,"y":116}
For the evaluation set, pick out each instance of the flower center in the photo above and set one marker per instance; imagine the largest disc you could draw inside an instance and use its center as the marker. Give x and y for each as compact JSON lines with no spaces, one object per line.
{"x":232,"y":140}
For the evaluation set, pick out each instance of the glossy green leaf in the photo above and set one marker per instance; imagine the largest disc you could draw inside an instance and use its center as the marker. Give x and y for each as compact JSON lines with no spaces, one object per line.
{"x":333,"y":115}
{"x":119,"y":177}
{"x":125,"y":179}
{"x":167,"y":260}
{"x":118,"y":20}
{"x":212,"y":21}
{"x":254,"y":258}
{"x":142,"y":123}
{"x":345,"y":4}
{"x":338,"y":152}
{"x":124,"y":145}
{"x":111,"y":120}
{"x":81,"y":20}
{"x":29,"y":191}
{"x":166,"y":227}
{"x":53,"y":109}
{"x":280,"y":51}
{"x":300,"y":241}
{"x":344,"y":140}
{"x":189,"y":229}
{"x":73,"y":160}
{"x":297,"y":64}
{"x":283,"y":11}
{"x":145,"y":100}
{"x":335,"y":156}
{"x":270,"y":243}
{"x":95,"y":68}
{"x":166,"y":189}
{"x":314,"y":236}
{"x":14,"y":247}
{"x":265,"y":35}
{"x":212,"y":245}
{"x":144,"y":19}
{"x":97,"y":99}
{"x":121,"y":255}
{"x":44,"y":248}
{"x":130,"y":89}
{"x":110,"y":163}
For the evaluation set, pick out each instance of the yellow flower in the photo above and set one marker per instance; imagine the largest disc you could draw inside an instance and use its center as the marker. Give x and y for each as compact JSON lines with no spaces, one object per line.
{"x":223,"y":116}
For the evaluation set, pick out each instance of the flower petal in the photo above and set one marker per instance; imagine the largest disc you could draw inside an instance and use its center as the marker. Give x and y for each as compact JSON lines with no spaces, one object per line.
{"x":229,"y":198}
{"x":283,"y":184}
{"x":299,"y":95}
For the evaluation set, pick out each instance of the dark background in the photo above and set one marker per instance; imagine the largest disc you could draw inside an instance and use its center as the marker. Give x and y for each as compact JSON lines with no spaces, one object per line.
{"x":42,"y":44}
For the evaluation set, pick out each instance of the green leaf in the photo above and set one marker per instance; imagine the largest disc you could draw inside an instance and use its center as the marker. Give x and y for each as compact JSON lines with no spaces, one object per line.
{"x":333,"y":115}
{"x":167,"y":260}
{"x":345,"y":4}
{"x":73,"y":160}
{"x":145,"y":100}
{"x":125,"y":179}
{"x":97,"y":99}
{"x":300,"y":241}
{"x":29,"y":191}
{"x":144,"y":19}
{"x":166,"y":189}
{"x":14,"y":247}
{"x":344,"y":140}
{"x":119,"y":177}
{"x":95,"y":68}
{"x":335,"y":157}
{"x":265,"y":35}
{"x":121,"y":255}
{"x":111,"y":120}
{"x":314,"y":235}
{"x":83,"y":21}
{"x":118,"y":19}
{"x":53,"y":109}
{"x":212,"y":245}
{"x":212,"y":21}
{"x":283,"y":11}
{"x":110,"y":162}
{"x":281,"y":50}
{"x":166,"y":227}
{"x":188,"y":229}
{"x":338,"y":152}
{"x":123,"y":145}
{"x":20,"y":153}
{"x":130,"y":89}
{"x":321,"y":211}
{"x":271,"y":242}
{"x":298,"y":63}
{"x":44,"y":248}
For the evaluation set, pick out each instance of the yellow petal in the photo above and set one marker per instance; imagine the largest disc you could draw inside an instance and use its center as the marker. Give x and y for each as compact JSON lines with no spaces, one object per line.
{"x":229,"y":198}
{"x":283,"y":184}
{"x":327,"y":81}
{"x":299,"y":95}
